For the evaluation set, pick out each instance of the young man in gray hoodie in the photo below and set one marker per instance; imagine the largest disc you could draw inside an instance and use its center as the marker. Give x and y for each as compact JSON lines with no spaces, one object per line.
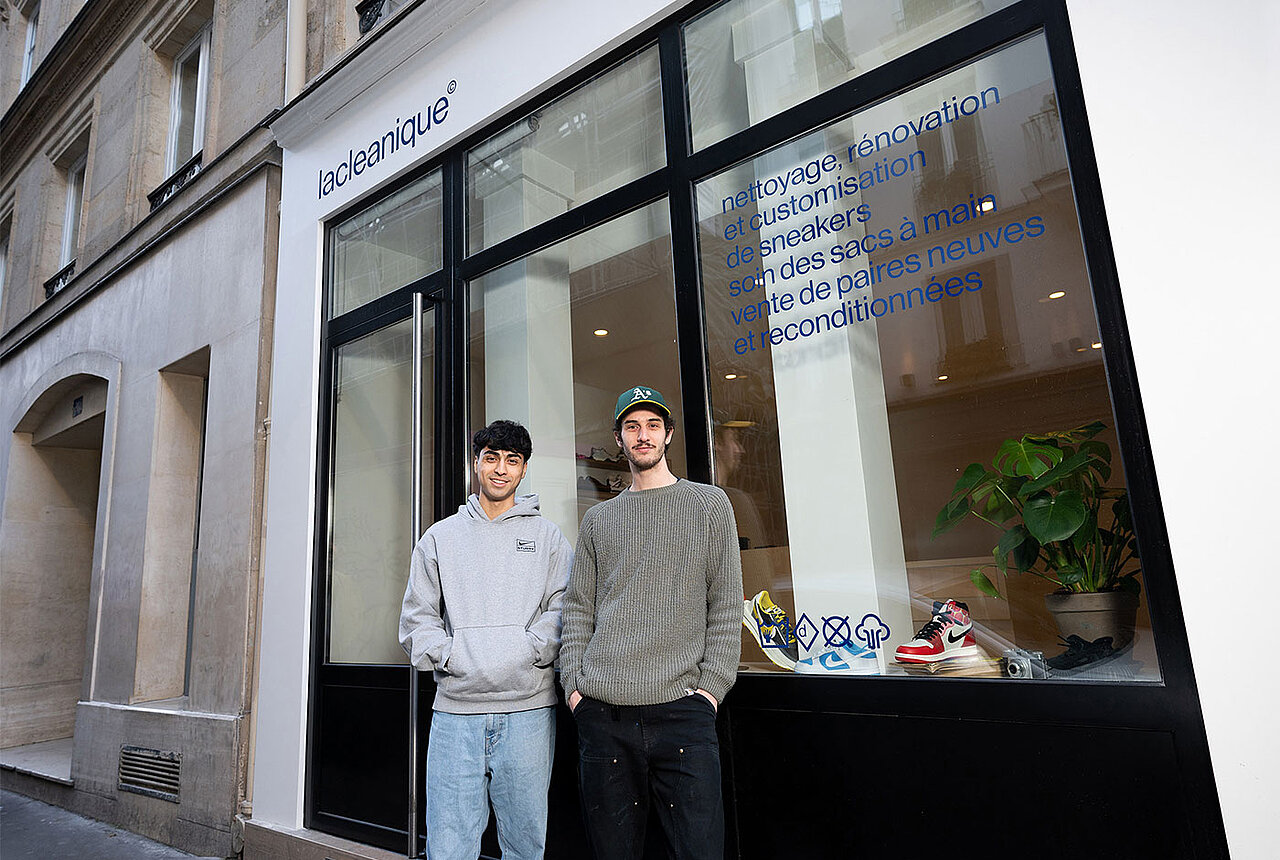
{"x":482,"y":611}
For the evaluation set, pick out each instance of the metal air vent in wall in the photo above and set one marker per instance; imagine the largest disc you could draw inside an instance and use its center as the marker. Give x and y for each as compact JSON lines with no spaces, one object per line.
{"x":154,"y":773}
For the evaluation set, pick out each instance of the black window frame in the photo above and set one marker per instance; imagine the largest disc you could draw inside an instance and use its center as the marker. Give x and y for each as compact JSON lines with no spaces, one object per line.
{"x":1169,"y":705}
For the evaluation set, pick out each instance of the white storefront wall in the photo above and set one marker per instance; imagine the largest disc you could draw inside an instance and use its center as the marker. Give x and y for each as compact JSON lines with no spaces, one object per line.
{"x":533,"y":43}
{"x":1171,"y":90}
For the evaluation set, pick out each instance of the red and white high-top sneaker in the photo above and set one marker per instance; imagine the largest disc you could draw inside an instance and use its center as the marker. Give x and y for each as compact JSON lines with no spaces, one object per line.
{"x":949,"y":634}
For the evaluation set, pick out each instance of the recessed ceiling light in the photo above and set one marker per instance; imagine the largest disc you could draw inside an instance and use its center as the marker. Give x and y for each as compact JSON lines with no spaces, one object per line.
{"x":1096,"y":344}
{"x":738,"y":423}
{"x":600,"y":332}
{"x":1057,"y":294}
{"x":943,"y":378}
{"x":988,"y":205}
{"x":731,"y":376}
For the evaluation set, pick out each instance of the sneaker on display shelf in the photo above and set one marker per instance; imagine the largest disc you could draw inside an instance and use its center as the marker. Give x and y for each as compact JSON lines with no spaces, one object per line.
{"x":1081,"y":652}
{"x":772,"y":629}
{"x":946,"y":636}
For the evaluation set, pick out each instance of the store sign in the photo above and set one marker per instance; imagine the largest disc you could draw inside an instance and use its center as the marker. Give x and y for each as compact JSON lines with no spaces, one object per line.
{"x":405,"y":133}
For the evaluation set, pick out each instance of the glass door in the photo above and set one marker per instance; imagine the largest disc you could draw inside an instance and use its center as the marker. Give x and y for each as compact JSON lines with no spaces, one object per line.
{"x":378,"y":493}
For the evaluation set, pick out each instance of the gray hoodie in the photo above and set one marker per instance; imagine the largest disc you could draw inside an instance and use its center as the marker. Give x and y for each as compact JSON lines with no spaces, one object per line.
{"x":482,"y":608}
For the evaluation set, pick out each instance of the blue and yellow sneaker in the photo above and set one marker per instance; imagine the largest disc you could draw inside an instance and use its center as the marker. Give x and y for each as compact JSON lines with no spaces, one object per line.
{"x":772,"y":629}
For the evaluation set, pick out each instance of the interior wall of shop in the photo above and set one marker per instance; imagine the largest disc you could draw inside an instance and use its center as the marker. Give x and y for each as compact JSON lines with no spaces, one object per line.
{"x":1168,"y":89}
{"x":1173,"y":94}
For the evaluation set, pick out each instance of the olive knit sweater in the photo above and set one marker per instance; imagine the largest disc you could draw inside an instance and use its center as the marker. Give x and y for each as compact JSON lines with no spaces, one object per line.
{"x":655,"y":597}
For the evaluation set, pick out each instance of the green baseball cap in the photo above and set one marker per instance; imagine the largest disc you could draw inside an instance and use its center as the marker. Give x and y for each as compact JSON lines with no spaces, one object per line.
{"x":641,"y":395}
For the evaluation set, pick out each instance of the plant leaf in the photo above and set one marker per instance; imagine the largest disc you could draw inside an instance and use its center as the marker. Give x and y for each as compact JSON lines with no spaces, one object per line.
{"x":972,"y":476}
{"x":949,"y":516}
{"x":1068,"y":467}
{"x":1069,"y":574}
{"x":1100,"y":453}
{"x":1009,"y":541}
{"x":1129,"y":584}
{"x":1101,"y":450}
{"x":999,"y":509}
{"x":1026,"y":554}
{"x":1124,"y":517}
{"x":1054,"y":518}
{"x":1087,"y":533}
{"x":1024,"y":457}
{"x":979,"y":579}
{"x":1075,"y":434}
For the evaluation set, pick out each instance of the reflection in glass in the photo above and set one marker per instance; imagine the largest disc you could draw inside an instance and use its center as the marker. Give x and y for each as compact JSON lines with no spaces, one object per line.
{"x":187,"y":83}
{"x":598,"y":137}
{"x":370,"y":539}
{"x":537,"y":356}
{"x":748,"y":60}
{"x":74,"y":210}
{"x":387,"y":246}
{"x":908,"y":307}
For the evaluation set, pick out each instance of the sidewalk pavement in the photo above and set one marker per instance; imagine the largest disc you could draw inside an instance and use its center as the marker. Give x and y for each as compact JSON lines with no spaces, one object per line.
{"x":31,"y":829}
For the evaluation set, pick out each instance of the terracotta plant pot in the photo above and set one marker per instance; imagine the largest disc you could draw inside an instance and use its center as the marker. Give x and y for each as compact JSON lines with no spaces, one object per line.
{"x":1090,"y":616}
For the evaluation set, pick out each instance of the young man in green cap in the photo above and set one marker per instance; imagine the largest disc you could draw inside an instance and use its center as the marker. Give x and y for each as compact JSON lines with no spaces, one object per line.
{"x":651,"y":645}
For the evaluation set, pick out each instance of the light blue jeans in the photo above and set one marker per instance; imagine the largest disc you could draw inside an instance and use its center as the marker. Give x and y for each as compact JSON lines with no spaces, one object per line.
{"x":473,"y":759}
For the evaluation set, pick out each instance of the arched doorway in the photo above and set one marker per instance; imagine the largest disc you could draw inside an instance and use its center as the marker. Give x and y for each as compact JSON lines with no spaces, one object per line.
{"x":47,"y":540}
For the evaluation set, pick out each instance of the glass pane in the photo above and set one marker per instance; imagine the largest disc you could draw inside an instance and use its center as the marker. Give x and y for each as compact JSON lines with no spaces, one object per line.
{"x":4,"y":258}
{"x":598,"y":137}
{"x":748,"y":60}
{"x":187,"y":77}
{"x":556,"y":337}
{"x":884,"y":310}
{"x":387,"y":246}
{"x":370,"y":538}
{"x":29,"y":50}
{"x":75,"y":203}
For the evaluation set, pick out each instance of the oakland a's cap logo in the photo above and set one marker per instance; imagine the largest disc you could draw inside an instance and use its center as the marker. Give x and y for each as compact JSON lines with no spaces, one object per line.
{"x":640,"y":394}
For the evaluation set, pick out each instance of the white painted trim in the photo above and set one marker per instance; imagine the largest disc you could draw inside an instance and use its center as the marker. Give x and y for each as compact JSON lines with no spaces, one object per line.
{"x":76,"y":175}
{"x":29,"y":46}
{"x":4,"y":260}
{"x":199,"y":45}
{"x":172,"y":712}
{"x":1190,"y":196}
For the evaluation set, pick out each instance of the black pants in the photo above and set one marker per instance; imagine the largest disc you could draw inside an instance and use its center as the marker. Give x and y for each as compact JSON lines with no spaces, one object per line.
{"x":668,"y":755}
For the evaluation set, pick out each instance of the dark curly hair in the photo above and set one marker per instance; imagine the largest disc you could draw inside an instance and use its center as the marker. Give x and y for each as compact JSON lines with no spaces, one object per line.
{"x":503,"y":435}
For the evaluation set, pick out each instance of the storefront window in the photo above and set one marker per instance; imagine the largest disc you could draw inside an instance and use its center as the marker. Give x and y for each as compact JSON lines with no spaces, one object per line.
{"x":557,"y":335}
{"x":593,"y":140}
{"x":751,"y":59}
{"x":910,"y":406}
{"x":369,"y":537}
{"x":387,"y":246}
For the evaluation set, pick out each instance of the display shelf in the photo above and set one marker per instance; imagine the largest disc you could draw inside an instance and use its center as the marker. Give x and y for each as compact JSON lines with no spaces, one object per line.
{"x":611,"y":465}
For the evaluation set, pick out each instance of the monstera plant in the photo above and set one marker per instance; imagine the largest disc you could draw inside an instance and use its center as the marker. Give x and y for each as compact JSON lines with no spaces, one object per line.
{"x":1046,"y":495}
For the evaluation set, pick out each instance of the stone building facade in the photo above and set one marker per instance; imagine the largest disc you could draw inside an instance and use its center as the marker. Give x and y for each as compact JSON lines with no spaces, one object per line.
{"x":139,"y":190}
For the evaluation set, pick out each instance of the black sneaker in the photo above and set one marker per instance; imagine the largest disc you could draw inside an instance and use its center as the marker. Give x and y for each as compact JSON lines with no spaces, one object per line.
{"x":1081,"y":653}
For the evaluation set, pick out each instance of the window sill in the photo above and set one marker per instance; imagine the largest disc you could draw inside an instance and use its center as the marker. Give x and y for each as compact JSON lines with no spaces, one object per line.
{"x":175,"y":183}
{"x":60,"y":280}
